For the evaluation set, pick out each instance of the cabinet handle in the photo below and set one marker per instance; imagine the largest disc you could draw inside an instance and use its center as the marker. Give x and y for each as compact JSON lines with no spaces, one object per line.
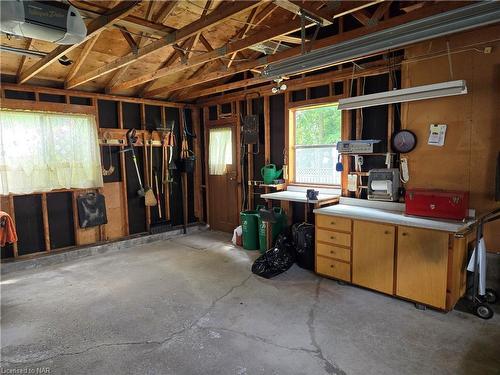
{"x":387,"y":232}
{"x":332,"y":237}
{"x":332,"y":252}
{"x":332,"y":222}
{"x":332,"y":266}
{"x":404,"y":234}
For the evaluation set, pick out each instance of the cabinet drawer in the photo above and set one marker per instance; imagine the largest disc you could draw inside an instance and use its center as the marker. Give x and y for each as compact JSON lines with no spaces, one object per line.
{"x":336,"y":238}
{"x":333,"y":222}
{"x":333,"y":268}
{"x":332,"y":251}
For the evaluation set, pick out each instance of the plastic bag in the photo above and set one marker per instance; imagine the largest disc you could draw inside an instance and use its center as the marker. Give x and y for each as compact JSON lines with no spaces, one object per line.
{"x":303,"y":238}
{"x":275,"y":260}
{"x":237,"y":233}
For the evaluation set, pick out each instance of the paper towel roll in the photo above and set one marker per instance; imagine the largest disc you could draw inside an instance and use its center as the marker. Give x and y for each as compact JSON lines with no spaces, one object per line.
{"x":382,"y":185}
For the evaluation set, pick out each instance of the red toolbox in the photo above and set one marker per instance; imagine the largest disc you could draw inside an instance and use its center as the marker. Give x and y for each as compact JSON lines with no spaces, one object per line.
{"x":443,"y":204}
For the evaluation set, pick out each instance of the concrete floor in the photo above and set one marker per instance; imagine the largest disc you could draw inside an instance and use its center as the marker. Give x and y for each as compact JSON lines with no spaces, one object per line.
{"x":190,"y":305}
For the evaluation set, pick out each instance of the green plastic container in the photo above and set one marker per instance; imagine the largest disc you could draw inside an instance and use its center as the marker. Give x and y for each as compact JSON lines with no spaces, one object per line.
{"x":249,"y":224}
{"x":276,"y":228}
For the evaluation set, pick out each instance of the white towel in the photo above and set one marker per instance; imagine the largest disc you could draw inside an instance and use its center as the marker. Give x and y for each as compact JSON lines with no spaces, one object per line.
{"x":481,"y":258}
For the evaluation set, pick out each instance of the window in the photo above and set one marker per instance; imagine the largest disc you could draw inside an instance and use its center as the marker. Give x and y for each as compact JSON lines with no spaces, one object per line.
{"x":317,"y":131}
{"x":42,"y":151}
{"x":220,"y":150}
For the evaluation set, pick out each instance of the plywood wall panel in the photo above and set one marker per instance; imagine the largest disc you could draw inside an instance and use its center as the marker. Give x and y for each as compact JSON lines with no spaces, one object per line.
{"x":467,"y":160}
{"x":115,"y":211}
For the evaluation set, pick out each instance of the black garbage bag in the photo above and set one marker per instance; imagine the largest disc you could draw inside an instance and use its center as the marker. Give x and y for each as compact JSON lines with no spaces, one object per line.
{"x":303,"y":238}
{"x":275,"y":260}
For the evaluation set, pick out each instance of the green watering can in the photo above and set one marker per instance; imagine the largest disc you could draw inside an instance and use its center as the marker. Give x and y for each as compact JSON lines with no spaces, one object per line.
{"x":269,"y":173}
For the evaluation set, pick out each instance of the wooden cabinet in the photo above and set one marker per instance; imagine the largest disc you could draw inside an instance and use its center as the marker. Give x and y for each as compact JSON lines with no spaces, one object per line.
{"x":373,"y":256}
{"x":422,"y":265}
{"x":333,"y":247}
{"x":422,"y":259}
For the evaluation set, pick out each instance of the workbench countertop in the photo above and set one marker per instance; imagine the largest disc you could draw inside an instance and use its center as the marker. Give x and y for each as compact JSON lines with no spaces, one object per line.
{"x":393,"y":217}
{"x":298,"y":196}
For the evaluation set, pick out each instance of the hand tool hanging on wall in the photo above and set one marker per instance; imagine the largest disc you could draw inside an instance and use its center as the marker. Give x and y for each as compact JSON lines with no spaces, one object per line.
{"x":111,"y":169}
{"x":150,"y":199}
{"x":148,"y":191}
{"x":157,"y":190}
{"x":188,"y":158}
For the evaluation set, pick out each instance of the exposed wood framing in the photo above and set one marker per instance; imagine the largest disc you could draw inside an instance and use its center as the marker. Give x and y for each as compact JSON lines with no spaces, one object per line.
{"x":377,"y":67}
{"x":228,"y":49}
{"x":230,"y":10}
{"x":134,"y":46}
{"x":165,"y":11}
{"x":85,"y":94}
{"x":296,"y":7}
{"x":385,"y":24}
{"x":20,"y":69}
{"x":89,"y":44}
{"x":130,"y":22}
{"x":95,"y":27}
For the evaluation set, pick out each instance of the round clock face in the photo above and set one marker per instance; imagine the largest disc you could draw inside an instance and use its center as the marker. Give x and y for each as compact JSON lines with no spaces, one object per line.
{"x":404,"y":141}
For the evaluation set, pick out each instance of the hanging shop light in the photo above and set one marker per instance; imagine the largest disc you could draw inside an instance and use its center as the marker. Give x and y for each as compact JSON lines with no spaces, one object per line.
{"x":436,"y":90}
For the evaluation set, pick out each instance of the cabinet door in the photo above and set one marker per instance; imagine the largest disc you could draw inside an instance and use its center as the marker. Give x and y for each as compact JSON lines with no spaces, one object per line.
{"x":422,"y":259}
{"x":373,"y":256}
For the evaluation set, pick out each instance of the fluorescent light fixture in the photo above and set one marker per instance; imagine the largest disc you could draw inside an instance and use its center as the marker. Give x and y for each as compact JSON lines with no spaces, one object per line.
{"x":464,"y":18}
{"x":436,"y":90}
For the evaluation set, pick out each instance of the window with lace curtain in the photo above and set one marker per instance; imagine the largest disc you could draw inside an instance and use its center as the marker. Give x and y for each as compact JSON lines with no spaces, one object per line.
{"x":316,"y":133}
{"x":42,"y":151}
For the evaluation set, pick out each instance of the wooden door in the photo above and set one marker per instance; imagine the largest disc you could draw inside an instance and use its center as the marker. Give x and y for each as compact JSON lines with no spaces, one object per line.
{"x":373,"y":256}
{"x":422,"y":258}
{"x":223,"y":185}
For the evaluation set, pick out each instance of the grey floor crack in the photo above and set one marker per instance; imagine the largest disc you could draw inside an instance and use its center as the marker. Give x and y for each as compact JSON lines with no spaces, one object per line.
{"x":330,"y":367}
{"x":144,"y":342}
{"x":258,"y":338}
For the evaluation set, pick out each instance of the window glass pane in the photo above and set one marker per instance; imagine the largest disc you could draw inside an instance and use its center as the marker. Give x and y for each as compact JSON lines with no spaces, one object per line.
{"x":42,"y":151}
{"x":317,"y":126}
{"x":317,"y":131}
{"x":220,"y":151}
{"x":317,"y":165}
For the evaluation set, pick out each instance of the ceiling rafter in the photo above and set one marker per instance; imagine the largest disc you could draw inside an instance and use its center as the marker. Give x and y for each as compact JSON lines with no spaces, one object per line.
{"x":94,"y":27}
{"x":131,"y":22}
{"x":243,"y":32}
{"x":27,"y":46}
{"x":118,"y":75}
{"x":229,"y":48}
{"x":87,"y":48}
{"x":165,"y":11}
{"x":391,"y":22}
{"x":188,"y":45}
{"x":230,"y":9}
{"x":172,"y":57}
{"x":295,"y":7}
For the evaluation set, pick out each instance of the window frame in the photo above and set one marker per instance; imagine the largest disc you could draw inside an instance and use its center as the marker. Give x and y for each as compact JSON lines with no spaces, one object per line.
{"x":291,"y":147}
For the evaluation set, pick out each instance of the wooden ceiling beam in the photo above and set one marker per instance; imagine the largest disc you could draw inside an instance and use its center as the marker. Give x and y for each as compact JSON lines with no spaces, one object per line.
{"x":362,"y":16}
{"x":130,"y":41}
{"x":134,"y":46}
{"x":229,"y":48}
{"x":230,"y":9}
{"x":131,"y":22}
{"x":373,"y":68}
{"x":89,"y":44}
{"x":94,"y":27}
{"x":29,"y":42}
{"x":296,"y":6}
{"x":385,"y":24}
{"x":166,"y":9}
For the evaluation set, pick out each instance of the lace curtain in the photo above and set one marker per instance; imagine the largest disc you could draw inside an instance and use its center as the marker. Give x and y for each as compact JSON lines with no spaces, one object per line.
{"x":42,"y":151}
{"x":220,"y":150}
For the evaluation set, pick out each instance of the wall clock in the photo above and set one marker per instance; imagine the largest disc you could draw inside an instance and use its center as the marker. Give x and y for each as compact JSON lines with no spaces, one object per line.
{"x":404,"y":141}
